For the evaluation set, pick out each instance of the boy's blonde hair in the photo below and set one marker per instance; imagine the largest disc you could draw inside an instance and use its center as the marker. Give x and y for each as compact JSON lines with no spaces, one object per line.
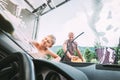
{"x":52,"y":38}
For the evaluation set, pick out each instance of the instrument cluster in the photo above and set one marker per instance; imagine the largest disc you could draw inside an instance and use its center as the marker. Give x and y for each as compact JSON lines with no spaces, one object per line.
{"x":48,"y":74}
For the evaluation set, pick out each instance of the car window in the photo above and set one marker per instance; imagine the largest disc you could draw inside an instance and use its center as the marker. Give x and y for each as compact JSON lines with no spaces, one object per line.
{"x":97,"y":19}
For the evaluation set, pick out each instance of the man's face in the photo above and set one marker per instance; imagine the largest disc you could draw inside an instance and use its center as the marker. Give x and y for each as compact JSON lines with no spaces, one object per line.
{"x":71,"y":36}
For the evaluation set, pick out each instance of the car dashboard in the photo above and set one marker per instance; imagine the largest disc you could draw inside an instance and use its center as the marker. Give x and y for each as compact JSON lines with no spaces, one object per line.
{"x":52,"y":70}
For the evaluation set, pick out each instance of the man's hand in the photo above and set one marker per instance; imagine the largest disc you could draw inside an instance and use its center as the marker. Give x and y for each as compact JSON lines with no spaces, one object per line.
{"x":76,"y":59}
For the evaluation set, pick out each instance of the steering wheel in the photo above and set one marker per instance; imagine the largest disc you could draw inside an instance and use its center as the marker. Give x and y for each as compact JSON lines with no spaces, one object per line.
{"x":17,"y":66}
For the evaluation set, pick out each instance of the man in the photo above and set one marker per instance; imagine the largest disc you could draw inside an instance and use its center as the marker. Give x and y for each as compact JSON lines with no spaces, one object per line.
{"x":70,"y":47}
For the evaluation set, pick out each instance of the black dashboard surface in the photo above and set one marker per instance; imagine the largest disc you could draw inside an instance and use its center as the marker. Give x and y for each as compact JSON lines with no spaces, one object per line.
{"x":51,"y":70}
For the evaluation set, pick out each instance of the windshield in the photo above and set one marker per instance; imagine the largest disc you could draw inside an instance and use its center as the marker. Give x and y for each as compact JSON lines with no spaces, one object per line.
{"x":95,"y":24}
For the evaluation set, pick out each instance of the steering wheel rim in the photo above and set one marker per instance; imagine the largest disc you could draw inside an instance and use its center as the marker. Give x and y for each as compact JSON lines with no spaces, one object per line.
{"x":23,"y":64}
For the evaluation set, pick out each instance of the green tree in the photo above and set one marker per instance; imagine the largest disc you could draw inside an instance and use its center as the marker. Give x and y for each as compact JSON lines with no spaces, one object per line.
{"x":89,"y":55}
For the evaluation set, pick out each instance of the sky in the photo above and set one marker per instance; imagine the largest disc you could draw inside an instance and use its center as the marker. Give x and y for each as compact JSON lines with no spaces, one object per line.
{"x":98,"y":19}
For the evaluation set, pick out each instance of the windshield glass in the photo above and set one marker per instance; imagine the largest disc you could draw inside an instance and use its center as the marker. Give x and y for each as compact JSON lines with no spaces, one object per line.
{"x":95,"y":24}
